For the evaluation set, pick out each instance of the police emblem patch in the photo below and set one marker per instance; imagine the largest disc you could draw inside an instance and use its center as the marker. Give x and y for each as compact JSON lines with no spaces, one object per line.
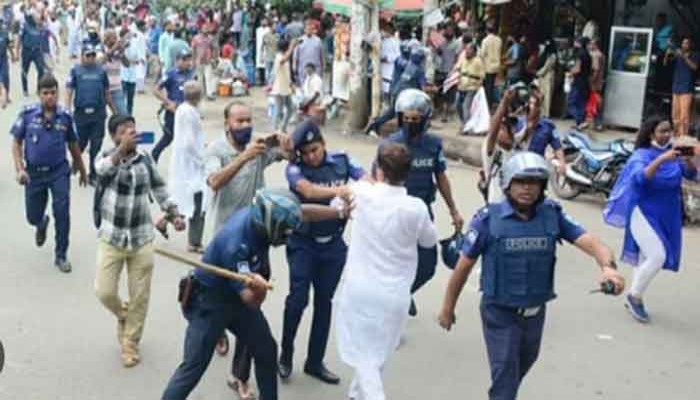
{"x":472,"y":235}
{"x":243,"y":267}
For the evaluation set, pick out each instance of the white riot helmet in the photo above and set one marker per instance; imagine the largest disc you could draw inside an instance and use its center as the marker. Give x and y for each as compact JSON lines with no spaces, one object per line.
{"x":524,"y":164}
{"x":414,"y":100}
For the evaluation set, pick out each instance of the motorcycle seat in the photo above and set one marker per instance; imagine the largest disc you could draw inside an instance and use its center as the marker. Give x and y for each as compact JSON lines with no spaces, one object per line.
{"x":595,"y":146}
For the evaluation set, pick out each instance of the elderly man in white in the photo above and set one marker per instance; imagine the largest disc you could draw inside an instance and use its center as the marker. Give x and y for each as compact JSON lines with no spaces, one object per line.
{"x":372,"y":306}
{"x":186,"y":177}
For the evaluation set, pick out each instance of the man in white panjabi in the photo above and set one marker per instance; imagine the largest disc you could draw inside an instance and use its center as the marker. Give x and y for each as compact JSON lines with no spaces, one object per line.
{"x":372,"y":305}
{"x":186,"y":177}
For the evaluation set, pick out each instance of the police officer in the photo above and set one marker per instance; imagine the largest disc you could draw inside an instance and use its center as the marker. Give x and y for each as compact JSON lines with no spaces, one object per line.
{"x":5,"y":48}
{"x":171,"y":92}
{"x":88,"y":91}
{"x":517,"y":238}
{"x":242,"y":245}
{"x":409,"y":76}
{"x":316,"y":251}
{"x":41,"y":134}
{"x":29,"y":46}
{"x":427,"y":175}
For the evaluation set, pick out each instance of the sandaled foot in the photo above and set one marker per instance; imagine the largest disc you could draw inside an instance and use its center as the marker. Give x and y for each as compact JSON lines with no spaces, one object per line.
{"x":242,"y":389}
{"x":130,"y":355}
{"x":195,"y":249}
{"x":222,"y":346}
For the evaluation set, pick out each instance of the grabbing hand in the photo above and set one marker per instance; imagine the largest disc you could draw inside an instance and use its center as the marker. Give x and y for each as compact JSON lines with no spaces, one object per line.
{"x":179,"y":223}
{"x":457,"y":220}
{"x":670,"y":154}
{"x":254,"y":149}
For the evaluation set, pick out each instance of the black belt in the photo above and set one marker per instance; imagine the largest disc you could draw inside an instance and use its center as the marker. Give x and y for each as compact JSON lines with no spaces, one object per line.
{"x":42,"y":168}
{"x":528,"y":312}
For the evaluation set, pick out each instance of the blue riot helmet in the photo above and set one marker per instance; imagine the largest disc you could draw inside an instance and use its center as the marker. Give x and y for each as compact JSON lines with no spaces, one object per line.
{"x":276,"y":213}
{"x":450,"y":249}
{"x":414,"y":100}
{"x":524,"y":165}
{"x":418,"y":55}
{"x":405,"y":49}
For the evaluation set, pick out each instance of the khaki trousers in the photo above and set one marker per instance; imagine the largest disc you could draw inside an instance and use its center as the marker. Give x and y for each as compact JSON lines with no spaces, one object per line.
{"x":139,"y":268}
{"x":681,"y":113}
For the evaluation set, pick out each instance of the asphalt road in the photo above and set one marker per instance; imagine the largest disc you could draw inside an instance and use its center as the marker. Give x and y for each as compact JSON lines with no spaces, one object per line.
{"x":60,"y":342}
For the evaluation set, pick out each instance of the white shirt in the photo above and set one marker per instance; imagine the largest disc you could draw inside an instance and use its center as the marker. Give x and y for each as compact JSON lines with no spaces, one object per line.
{"x":390,"y":52}
{"x":312,"y":85}
{"x":495,"y":193}
{"x":259,"y":35}
{"x":388,"y":225}
{"x":186,"y":175}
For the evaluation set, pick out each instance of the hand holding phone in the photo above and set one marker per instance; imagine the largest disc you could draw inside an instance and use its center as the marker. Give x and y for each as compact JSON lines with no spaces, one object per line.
{"x":686,"y":151}
{"x":272,"y":141}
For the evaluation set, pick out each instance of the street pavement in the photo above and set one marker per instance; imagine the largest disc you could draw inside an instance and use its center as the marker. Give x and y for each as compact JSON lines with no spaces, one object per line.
{"x":60,"y":343}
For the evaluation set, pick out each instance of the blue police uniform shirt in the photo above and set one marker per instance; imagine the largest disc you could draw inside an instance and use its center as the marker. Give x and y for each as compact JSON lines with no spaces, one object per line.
{"x":683,"y":76}
{"x":545,"y":134}
{"x":475,"y":240}
{"x":335,"y":170}
{"x":427,"y":160}
{"x":44,"y":141}
{"x":174,"y":83}
{"x":4,"y":46}
{"x":90,"y":84}
{"x":31,"y":37}
{"x":236,"y":247}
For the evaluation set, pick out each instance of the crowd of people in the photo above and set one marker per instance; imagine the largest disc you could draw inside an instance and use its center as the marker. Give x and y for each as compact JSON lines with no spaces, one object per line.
{"x":189,"y":56}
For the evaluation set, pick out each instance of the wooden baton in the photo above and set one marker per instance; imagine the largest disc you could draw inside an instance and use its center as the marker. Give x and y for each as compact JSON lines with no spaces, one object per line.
{"x":218,"y":271}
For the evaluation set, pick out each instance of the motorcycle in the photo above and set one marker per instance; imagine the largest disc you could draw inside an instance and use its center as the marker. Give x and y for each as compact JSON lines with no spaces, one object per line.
{"x":592,"y":166}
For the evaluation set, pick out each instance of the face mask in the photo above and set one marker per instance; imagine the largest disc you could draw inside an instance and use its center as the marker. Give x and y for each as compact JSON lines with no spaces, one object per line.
{"x":414,"y":128}
{"x":660,"y":147}
{"x":242,"y":136}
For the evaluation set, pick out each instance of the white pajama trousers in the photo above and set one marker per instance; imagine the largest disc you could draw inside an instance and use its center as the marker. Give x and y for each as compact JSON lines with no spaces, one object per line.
{"x":367,"y":384}
{"x":652,"y":253}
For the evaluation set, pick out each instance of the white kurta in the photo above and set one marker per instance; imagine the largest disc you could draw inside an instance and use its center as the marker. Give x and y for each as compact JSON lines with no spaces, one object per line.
{"x":186,"y":173}
{"x":390,"y":52}
{"x":372,"y":305}
{"x":259,"y":35}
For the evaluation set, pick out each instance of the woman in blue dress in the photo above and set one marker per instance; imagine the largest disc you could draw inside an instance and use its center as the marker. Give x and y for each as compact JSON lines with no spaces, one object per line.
{"x":646,"y":201}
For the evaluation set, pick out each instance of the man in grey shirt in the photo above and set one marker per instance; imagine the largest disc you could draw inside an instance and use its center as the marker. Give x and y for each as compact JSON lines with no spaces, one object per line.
{"x":448,"y":51}
{"x":235,"y":163}
{"x":308,"y":51}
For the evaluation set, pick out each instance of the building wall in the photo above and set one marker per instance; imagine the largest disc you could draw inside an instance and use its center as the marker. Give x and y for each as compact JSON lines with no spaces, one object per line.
{"x":645,"y":16}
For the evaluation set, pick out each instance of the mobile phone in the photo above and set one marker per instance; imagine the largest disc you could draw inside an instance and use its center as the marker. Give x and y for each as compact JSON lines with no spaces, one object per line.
{"x":686,"y":151}
{"x":148,"y":137}
{"x":272,"y":141}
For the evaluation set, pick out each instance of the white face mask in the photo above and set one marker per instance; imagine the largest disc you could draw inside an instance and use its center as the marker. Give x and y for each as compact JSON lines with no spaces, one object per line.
{"x":664,"y":147}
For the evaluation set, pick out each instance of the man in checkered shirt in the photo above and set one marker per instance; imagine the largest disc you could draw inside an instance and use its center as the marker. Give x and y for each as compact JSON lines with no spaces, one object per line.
{"x":129,"y":178}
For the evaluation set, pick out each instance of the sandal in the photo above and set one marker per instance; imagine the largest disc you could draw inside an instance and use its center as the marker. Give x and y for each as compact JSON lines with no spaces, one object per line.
{"x":243,"y":394}
{"x":130,"y":355}
{"x":222,"y":346}
{"x":195,"y":249}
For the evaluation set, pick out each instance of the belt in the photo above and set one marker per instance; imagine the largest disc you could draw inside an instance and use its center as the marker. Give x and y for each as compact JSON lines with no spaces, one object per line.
{"x":324,"y":239}
{"x":528,"y":312}
{"x":42,"y":168}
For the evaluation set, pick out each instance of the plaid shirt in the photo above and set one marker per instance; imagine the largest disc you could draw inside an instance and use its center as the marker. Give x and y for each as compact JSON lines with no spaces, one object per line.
{"x":126,"y":213}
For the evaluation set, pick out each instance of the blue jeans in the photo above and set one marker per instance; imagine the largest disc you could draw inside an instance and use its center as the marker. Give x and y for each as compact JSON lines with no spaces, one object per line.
{"x":119,"y":101}
{"x":513,"y":344}
{"x":320,"y":265}
{"x":167,"y":138}
{"x":129,"y":89}
{"x":36,"y":197}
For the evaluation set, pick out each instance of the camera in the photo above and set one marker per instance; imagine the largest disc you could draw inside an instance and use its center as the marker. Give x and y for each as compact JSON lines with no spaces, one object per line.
{"x":521,"y":97}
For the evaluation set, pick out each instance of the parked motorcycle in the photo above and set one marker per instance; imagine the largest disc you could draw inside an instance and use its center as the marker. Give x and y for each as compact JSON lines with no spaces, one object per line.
{"x":592,"y":166}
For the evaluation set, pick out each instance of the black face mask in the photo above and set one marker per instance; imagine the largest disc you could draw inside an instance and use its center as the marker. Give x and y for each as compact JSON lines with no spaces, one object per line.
{"x":413,"y":128}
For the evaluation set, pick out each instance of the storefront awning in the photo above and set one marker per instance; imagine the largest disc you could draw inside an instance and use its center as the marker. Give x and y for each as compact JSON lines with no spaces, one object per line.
{"x":391,"y":6}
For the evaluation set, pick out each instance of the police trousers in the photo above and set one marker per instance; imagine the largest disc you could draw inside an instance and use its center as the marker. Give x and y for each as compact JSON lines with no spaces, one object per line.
{"x":576,"y":103}
{"x":36,"y":197}
{"x":320,"y":265}
{"x":90,"y":131}
{"x":210,"y":314}
{"x":167,"y":138}
{"x":5,"y":75}
{"x":512,"y":343}
{"x":29,"y":57}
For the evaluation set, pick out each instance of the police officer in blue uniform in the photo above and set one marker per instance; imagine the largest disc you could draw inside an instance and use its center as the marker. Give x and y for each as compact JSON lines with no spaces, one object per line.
{"x":414,"y":109}
{"x":29,"y":46}
{"x":5,"y":48}
{"x":316,"y":251}
{"x":242,"y":246}
{"x":41,"y":134}
{"x":517,"y":239}
{"x":409,"y":76}
{"x":171,"y":92}
{"x":88,"y":92}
